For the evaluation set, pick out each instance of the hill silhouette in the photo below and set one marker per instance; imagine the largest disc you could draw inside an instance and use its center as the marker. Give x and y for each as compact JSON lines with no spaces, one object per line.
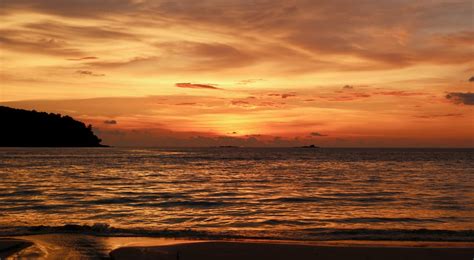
{"x":23,"y":128}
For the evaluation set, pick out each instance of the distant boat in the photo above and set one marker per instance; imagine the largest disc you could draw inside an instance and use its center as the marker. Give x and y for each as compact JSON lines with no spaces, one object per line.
{"x":310,"y":146}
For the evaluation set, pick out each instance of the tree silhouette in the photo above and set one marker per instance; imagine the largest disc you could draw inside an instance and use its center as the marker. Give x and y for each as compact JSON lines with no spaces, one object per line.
{"x":25,"y":128}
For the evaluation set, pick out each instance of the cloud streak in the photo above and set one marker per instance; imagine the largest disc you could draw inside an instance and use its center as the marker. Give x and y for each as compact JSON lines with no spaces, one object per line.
{"x":317,"y":134}
{"x":110,"y":122}
{"x":83,"y":58}
{"x":196,"y":86}
{"x":89,"y":73}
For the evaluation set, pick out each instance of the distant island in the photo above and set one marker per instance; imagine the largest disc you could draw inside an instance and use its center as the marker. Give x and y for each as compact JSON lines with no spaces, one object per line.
{"x":310,"y":146}
{"x":23,"y":128}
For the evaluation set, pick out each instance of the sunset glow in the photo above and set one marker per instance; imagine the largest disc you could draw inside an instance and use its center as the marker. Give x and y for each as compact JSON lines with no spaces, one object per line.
{"x":246,"y":73}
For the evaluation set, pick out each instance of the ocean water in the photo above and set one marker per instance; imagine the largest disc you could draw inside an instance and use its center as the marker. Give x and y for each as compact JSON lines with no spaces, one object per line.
{"x":277,"y":193}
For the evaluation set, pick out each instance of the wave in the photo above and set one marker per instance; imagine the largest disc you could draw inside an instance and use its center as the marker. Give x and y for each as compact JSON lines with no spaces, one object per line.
{"x":328,"y":198}
{"x":187,"y":204}
{"x":312,"y":234}
{"x":386,"y":220}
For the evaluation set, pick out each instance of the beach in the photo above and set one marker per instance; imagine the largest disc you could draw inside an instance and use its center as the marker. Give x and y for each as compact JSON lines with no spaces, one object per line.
{"x":79,"y":246}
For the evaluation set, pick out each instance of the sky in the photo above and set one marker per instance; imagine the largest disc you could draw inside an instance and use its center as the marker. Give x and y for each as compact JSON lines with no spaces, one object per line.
{"x":335,"y":73}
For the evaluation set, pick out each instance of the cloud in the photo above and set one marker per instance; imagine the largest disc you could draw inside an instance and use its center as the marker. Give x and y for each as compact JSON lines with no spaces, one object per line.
{"x":248,"y":81}
{"x":471,"y":79}
{"x":58,"y":29}
{"x":317,"y":134}
{"x":23,"y":42}
{"x":284,"y":95}
{"x":287,"y":95}
{"x":89,"y":73}
{"x":440,"y":115}
{"x":459,"y":38}
{"x":348,"y":87}
{"x":71,"y":8}
{"x":186,"y":104}
{"x":83,"y":58}
{"x":399,"y":93}
{"x":379,"y":32}
{"x":201,"y":56}
{"x":192,"y":85}
{"x":110,"y":122}
{"x":350,"y":96}
{"x":461,"y":98}
{"x":131,"y":62}
{"x":240,"y":103}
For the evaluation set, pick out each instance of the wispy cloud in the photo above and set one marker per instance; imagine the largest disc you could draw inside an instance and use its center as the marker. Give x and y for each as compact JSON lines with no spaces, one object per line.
{"x":83,"y":58}
{"x":198,"y":86}
{"x":399,"y":93}
{"x":439,"y":115}
{"x":89,"y":73}
{"x":317,"y":134}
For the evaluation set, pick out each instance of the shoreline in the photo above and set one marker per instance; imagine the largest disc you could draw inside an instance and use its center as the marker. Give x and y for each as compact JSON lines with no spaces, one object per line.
{"x":73,"y":246}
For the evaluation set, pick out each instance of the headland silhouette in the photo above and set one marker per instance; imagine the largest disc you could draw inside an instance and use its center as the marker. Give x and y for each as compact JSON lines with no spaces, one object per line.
{"x":24,"y":128}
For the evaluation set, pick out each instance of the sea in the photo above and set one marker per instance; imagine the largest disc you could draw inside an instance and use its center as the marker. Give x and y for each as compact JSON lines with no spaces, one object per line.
{"x":240,"y":193}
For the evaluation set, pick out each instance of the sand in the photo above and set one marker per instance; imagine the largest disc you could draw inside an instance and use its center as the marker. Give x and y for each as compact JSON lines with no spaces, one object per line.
{"x":78,"y":246}
{"x":9,"y":246}
{"x":242,"y":250}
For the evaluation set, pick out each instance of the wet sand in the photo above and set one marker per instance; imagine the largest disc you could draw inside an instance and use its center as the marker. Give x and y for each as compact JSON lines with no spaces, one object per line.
{"x":78,"y":246}
{"x":278,"y":251}
{"x":9,"y":246}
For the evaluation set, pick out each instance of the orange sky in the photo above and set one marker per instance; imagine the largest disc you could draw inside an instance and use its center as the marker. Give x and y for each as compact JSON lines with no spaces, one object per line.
{"x":341,"y":73}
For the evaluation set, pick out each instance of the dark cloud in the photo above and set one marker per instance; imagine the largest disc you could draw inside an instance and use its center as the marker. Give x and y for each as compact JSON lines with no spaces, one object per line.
{"x":110,"y":122}
{"x":471,"y":79}
{"x":461,"y":98}
{"x":350,"y":96}
{"x":398,"y":93}
{"x":89,"y":73}
{"x":287,"y":95}
{"x":440,"y":115}
{"x":348,"y":87}
{"x":317,"y":134}
{"x":342,"y":95}
{"x":192,"y":85}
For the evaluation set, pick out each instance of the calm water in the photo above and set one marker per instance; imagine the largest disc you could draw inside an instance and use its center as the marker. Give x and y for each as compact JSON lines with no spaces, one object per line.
{"x":295,"y":193}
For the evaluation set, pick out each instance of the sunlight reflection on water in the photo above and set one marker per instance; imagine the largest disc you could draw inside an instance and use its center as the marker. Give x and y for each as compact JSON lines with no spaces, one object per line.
{"x":242,"y":190}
